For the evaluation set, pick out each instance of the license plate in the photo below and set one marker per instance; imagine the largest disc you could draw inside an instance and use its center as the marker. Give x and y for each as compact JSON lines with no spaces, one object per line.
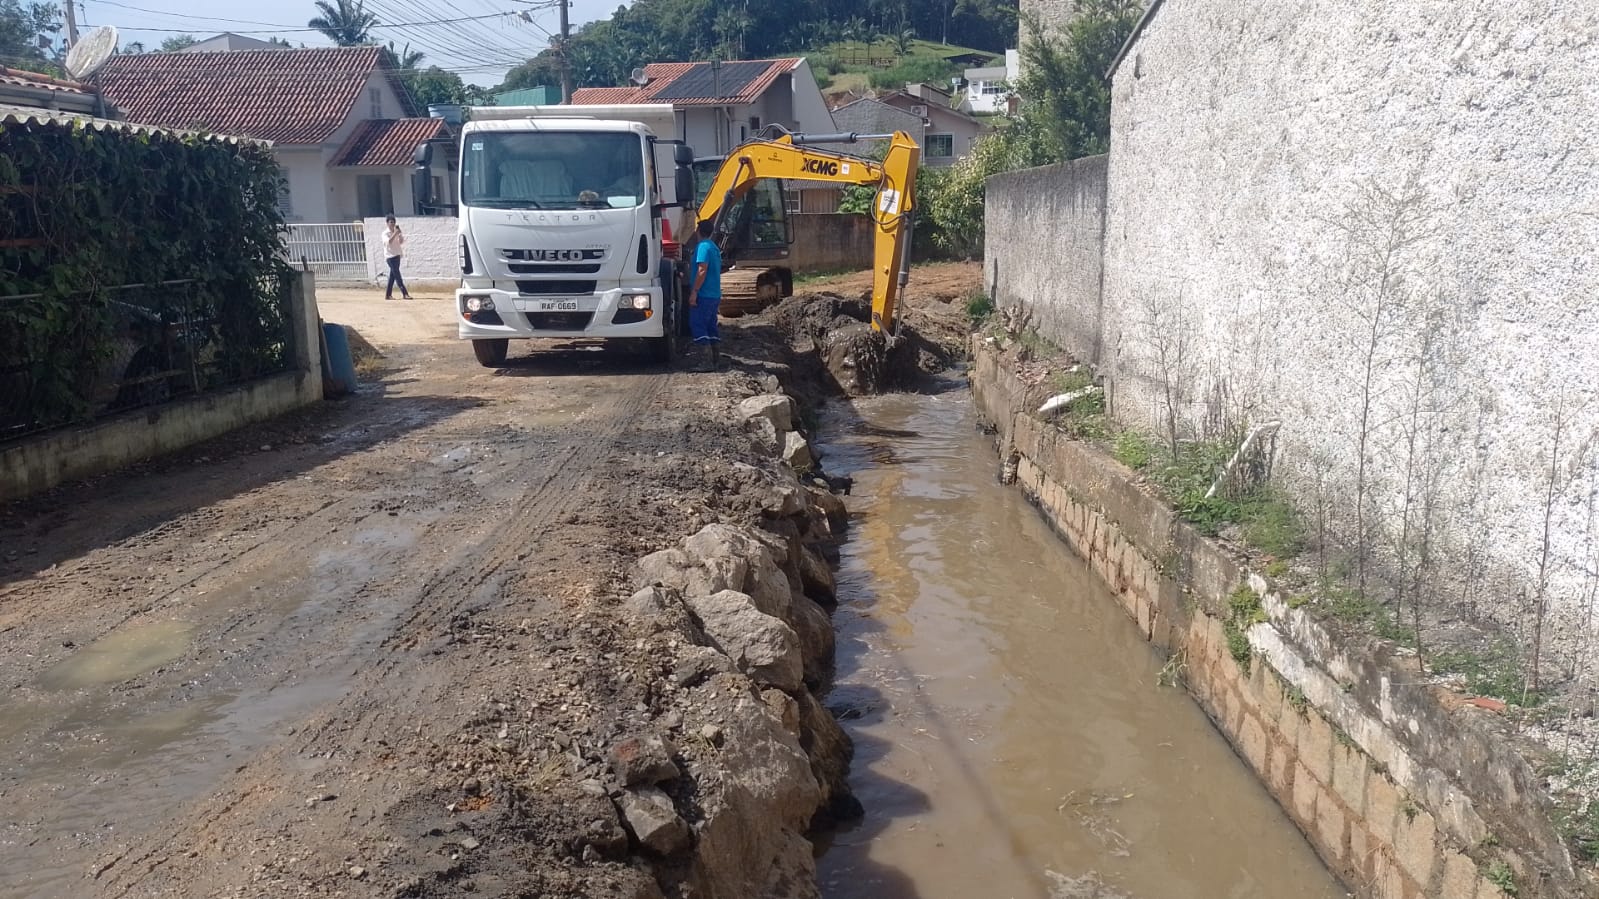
{"x":556,"y":306}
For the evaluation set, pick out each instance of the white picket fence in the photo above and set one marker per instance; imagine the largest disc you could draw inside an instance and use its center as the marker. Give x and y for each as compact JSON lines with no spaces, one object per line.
{"x":335,"y":252}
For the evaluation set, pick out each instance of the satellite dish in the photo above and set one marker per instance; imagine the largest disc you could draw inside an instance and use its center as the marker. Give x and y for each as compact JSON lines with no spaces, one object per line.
{"x":639,"y":78}
{"x":91,"y":52}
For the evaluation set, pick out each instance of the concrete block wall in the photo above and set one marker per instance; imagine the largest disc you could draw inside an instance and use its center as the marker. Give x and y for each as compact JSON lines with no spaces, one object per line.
{"x":1399,"y":794}
{"x":1263,"y":154}
{"x":1043,"y":246}
{"x":831,"y":242}
{"x":432,"y":250}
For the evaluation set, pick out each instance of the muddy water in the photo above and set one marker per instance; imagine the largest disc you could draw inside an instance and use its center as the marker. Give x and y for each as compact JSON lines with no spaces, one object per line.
{"x":1011,"y":738}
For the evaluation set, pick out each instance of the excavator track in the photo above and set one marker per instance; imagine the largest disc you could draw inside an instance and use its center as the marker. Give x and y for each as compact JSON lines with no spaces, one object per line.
{"x":748,"y":291}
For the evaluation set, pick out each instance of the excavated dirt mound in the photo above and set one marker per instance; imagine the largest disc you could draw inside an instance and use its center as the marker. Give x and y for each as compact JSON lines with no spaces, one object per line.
{"x":860,"y":361}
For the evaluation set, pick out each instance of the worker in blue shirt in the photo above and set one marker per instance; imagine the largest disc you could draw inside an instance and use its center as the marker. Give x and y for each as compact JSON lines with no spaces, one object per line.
{"x":705,"y":300}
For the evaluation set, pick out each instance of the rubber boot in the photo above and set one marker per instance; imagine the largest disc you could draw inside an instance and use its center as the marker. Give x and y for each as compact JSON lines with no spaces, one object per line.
{"x":703,"y":361}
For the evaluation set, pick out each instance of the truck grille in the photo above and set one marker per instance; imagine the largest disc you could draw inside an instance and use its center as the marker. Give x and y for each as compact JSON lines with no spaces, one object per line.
{"x":559,"y":321}
{"x":556,"y":268}
{"x":554,"y":288}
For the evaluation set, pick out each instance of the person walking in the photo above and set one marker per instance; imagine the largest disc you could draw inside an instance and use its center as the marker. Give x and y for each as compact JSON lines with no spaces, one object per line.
{"x":393,"y":249}
{"x":705,"y":300}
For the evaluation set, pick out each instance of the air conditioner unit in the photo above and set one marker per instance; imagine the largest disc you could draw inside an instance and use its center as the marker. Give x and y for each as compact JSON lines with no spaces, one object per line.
{"x":919,"y":110}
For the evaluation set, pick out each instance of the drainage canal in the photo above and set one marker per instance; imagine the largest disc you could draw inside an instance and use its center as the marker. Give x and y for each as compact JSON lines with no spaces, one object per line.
{"x":1012,"y":739}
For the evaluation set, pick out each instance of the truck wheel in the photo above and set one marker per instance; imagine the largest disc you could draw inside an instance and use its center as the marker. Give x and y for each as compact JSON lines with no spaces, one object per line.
{"x":491,"y":353}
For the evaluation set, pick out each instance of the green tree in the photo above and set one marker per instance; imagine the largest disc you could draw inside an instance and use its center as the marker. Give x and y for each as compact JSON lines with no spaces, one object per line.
{"x":345,"y":22}
{"x":1065,"y":114}
{"x":543,"y":69}
{"x":405,"y":59}
{"x":434,"y":86}
{"x":23,"y":28}
{"x":177,"y":42}
{"x":1065,"y":95}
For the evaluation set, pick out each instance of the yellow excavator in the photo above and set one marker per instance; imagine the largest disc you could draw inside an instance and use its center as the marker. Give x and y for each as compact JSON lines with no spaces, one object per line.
{"x":785,"y":156}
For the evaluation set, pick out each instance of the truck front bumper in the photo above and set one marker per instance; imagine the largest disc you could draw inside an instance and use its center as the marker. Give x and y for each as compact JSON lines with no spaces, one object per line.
{"x":488,"y":313}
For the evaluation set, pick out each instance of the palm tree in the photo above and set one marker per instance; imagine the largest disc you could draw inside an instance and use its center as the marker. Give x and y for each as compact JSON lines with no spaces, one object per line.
{"x":404,"y":59}
{"x":345,"y":22}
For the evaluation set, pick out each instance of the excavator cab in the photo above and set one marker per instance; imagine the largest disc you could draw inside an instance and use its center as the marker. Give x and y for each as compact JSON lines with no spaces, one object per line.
{"x":750,"y":218}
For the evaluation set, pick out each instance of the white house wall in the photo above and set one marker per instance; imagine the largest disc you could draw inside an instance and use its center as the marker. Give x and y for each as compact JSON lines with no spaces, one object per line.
{"x":306,"y":173}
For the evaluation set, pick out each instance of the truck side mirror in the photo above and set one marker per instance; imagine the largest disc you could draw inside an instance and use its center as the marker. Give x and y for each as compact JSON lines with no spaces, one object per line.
{"x":421,"y":189}
{"x":423,"y":154}
{"x":683,"y":182}
{"x":683,"y":154}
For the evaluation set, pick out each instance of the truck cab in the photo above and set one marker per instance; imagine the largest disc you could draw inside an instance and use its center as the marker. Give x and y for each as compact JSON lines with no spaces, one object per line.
{"x":561,"y":232}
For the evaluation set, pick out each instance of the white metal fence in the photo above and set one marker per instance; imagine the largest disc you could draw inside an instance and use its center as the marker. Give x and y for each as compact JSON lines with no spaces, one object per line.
{"x":335,"y":252}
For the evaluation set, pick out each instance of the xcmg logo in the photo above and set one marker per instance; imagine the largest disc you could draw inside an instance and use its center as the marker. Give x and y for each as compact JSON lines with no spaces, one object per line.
{"x":820,"y":167}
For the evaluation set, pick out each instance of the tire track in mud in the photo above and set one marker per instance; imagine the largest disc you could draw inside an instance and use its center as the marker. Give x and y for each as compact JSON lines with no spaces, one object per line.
{"x":460,"y":576}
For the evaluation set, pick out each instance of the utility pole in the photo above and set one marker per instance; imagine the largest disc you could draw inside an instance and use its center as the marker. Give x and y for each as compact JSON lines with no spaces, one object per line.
{"x":72,"y":22}
{"x":566,"y":61}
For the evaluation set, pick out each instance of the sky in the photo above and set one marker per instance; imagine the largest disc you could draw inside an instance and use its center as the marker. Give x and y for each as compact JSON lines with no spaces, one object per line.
{"x":478,"y":39}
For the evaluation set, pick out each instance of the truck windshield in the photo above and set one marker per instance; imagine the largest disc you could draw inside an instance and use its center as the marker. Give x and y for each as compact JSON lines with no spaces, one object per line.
{"x":553,"y":170}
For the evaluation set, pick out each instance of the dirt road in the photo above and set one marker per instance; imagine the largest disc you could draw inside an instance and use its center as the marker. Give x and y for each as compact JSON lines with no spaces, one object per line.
{"x":285,"y":663}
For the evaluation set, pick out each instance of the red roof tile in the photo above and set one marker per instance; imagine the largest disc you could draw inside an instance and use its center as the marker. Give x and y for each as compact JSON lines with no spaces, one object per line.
{"x":287,"y":96}
{"x":590,"y":96}
{"x":387,"y":142}
{"x":662,"y":75}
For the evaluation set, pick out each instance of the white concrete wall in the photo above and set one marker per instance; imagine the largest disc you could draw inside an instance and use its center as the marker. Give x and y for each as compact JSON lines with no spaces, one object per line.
{"x":432,"y":250}
{"x":1280,"y":169}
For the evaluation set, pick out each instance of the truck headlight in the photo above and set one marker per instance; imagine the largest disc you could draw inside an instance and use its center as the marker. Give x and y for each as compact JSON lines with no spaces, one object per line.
{"x":479,"y":304}
{"x":638,"y":301}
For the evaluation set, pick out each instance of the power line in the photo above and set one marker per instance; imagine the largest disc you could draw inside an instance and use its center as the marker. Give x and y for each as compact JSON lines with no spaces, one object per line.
{"x":278,"y":29}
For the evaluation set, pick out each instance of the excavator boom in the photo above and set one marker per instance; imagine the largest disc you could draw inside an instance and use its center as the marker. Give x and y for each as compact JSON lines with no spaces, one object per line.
{"x":792,"y":157}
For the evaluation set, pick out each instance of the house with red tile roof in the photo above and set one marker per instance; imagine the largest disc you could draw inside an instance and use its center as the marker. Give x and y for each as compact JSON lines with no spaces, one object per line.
{"x":342,"y":126}
{"x":721,"y":104}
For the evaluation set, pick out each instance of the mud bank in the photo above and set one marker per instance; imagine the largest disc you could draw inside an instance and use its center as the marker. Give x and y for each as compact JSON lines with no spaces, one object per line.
{"x":1403,"y":792}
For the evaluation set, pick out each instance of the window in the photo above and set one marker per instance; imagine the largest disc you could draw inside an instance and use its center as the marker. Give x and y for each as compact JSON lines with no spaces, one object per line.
{"x":992,"y":88}
{"x":553,"y":170}
{"x":439,"y":199}
{"x":285,"y":199}
{"x":376,"y":96}
{"x":940,"y":146}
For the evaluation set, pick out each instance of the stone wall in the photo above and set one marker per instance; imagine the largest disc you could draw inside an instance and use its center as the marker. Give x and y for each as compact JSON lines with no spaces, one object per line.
{"x":1373,"y":222}
{"x":1043,"y":246}
{"x":1403,"y":795}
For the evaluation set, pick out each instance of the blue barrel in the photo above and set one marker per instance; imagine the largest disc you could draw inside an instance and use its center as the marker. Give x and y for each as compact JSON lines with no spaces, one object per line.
{"x":338,"y":366}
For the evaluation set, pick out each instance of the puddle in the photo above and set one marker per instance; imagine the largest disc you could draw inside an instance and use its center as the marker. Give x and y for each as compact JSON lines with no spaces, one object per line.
{"x":1011,"y":739}
{"x":121,"y":655}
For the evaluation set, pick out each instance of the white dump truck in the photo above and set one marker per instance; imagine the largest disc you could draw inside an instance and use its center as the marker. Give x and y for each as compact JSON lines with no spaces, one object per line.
{"x":561,"y":225}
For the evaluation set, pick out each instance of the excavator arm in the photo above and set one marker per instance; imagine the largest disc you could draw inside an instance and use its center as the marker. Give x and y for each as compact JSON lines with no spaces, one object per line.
{"x":791,"y":158}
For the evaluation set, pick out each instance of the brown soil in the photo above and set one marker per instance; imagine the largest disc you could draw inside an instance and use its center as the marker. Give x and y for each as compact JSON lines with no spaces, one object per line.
{"x":375,"y":648}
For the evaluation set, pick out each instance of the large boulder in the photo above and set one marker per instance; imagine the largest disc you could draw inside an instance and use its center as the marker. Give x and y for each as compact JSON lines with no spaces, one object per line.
{"x":751,"y":844}
{"x":644,"y":760}
{"x":797,"y":452}
{"x":733,"y":559}
{"x":830,"y":752}
{"x":763,"y":646}
{"x":774,"y":407}
{"x":653,"y":821}
{"x":815,"y":632}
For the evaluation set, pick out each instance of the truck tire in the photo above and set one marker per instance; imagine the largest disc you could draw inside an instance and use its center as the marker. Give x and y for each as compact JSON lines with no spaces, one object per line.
{"x":663,"y":349}
{"x":491,"y":353}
